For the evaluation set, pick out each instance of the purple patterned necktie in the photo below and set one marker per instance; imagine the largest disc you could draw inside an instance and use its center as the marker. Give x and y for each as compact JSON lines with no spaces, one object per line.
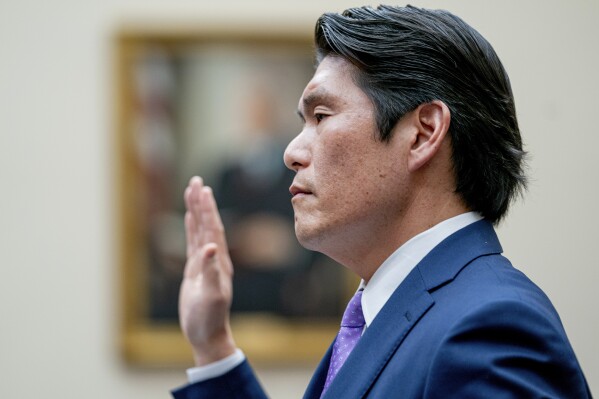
{"x":352,"y":326}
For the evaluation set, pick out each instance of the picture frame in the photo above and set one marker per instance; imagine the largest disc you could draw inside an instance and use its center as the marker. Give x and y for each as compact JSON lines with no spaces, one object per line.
{"x":185,"y":97}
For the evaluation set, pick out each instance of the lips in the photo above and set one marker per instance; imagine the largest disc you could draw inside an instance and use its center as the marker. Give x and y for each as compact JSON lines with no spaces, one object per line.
{"x":298,"y":190}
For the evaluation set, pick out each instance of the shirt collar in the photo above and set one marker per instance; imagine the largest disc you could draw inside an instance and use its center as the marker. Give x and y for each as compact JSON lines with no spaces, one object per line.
{"x":401,"y":262}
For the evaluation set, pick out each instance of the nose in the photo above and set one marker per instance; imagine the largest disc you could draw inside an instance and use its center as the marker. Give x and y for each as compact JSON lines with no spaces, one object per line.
{"x":297,"y":154}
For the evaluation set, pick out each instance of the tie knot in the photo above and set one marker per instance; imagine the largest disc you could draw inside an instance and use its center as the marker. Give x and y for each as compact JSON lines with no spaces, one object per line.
{"x":353,"y":316}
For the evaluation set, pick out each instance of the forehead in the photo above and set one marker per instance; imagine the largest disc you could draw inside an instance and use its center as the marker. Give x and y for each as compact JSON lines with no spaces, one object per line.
{"x":333,"y":78}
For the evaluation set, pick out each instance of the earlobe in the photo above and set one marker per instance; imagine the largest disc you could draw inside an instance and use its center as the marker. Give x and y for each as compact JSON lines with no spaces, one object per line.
{"x":432,"y":124}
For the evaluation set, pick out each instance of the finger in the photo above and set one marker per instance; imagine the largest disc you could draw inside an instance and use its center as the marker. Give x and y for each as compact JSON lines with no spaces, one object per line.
{"x":203,"y":262}
{"x":196,"y":183}
{"x":187,"y":197}
{"x":190,"y":229}
{"x":195,"y":186}
{"x":190,"y":223}
{"x":214,"y":229}
{"x":209,"y":251}
{"x":211,"y":266}
{"x":211,"y":221}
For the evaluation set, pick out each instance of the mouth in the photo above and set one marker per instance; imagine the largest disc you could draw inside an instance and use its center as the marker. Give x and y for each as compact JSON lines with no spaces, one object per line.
{"x":297,"y":191}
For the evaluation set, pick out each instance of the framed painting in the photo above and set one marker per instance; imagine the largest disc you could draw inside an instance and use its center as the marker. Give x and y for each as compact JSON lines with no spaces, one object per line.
{"x":220,"y":104}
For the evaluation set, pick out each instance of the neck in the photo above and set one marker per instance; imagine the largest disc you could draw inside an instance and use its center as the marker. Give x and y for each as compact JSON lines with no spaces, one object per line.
{"x":368,"y":254}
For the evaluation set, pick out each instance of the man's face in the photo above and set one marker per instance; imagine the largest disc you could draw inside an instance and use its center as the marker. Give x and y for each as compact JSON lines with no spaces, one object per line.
{"x":349,"y":186}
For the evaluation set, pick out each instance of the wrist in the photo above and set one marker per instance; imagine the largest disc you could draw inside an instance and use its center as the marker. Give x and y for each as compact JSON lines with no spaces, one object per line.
{"x":213,"y":352}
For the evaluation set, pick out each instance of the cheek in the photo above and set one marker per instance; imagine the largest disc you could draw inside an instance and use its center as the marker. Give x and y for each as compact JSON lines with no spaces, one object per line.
{"x":344,"y":177}
{"x":336,"y":172}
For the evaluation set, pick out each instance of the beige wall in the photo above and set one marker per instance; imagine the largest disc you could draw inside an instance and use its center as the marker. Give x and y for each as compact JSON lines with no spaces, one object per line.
{"x":58,"y":302}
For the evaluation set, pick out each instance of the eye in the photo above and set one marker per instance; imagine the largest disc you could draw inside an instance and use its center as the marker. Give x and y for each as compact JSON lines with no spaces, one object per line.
{"x":319,"y":117}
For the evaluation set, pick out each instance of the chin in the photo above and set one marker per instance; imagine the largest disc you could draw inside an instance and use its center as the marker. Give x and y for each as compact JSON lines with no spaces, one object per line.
{"x":307,"y":238}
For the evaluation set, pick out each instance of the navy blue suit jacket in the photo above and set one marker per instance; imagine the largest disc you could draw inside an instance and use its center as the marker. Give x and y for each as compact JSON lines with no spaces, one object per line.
{"x":463,"y":324}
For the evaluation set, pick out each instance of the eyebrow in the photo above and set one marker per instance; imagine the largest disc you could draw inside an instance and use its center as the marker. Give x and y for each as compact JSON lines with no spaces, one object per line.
{"x":319,"y":95}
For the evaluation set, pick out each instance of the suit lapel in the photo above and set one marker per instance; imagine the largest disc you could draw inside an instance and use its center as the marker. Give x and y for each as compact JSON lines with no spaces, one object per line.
{"x":381,"y":339}
{"x":408,"y":304}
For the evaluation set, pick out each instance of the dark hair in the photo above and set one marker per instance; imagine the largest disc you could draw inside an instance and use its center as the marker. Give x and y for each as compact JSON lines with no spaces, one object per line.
{"x":410,"y":56}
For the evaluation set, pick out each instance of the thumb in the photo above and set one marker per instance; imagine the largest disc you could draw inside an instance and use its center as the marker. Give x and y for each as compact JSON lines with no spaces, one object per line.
{"x":210,"y":261}
{"x":204,"y":258}
{"x":209,"y":251}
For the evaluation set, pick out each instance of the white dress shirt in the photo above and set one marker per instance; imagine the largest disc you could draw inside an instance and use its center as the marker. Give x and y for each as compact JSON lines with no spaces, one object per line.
{"x":376,"y":292}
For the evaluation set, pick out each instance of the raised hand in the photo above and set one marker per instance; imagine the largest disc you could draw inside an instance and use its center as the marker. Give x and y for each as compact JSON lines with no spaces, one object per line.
{"x":206,"y":290}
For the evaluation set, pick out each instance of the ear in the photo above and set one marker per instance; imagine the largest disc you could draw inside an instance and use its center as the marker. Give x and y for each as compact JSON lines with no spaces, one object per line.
{"x":432,"y":124}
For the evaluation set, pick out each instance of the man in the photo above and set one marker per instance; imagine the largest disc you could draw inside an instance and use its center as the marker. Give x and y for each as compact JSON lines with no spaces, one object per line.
{"x":410,"y":152}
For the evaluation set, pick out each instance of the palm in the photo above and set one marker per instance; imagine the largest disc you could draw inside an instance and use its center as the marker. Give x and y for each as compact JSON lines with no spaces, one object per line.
{"x":206,"y":290}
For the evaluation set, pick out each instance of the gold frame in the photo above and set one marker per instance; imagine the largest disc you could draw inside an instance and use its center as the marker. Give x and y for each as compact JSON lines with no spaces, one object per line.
{"x":264,"y":339}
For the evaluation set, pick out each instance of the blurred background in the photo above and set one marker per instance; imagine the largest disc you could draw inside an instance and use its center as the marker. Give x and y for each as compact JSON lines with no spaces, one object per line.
{"x":60,"y":300}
